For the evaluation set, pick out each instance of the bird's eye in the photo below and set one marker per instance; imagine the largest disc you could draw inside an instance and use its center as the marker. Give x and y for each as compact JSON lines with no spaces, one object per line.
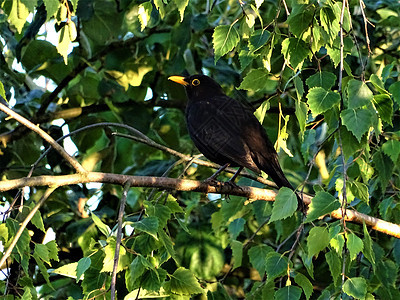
{"x":195,"y":82}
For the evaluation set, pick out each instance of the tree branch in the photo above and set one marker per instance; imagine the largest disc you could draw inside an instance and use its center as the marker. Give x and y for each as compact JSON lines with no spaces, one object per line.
{"x":72,"y":161}
{"x":251,"y":193}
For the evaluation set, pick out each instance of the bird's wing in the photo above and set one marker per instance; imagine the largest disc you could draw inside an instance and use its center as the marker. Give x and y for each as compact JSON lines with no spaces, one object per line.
{"x":215,"y":126}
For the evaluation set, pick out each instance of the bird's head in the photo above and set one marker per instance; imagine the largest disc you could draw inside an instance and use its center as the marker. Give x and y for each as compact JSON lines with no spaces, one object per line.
{"x":198,"y":86}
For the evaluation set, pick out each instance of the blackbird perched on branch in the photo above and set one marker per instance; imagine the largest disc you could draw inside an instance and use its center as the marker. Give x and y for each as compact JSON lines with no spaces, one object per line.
{"x":227,"y":132}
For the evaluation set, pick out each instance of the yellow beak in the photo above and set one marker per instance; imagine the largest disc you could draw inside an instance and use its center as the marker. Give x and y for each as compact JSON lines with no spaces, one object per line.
{"x":179,"y":79}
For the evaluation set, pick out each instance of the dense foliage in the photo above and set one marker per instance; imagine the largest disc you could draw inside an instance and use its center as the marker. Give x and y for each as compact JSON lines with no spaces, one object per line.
{"x":323,"y":76}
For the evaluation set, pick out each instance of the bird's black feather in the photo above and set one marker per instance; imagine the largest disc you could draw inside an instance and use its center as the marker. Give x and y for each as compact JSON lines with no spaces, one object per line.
{"x":226,"y":131}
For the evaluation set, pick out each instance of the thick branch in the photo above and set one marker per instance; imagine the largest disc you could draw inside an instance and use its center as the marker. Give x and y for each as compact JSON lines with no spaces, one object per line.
{"x":188,"y":185}
{"x":140,"y":181}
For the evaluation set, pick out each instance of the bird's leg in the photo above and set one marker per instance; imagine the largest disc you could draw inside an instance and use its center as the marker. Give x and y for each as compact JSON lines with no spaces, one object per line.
{"x":231,"y":181}
{"x":212,"y":178}
{"x":235,"y":175}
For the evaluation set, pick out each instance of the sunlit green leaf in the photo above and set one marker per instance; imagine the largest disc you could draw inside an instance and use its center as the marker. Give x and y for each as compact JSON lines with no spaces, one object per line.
{"x":354,"y":244}
{"x":322,"y":204}
{"x":355,"y":287}
{"x":285,"y":204}
{"x":322,"y":79}
{"x":318,"y":240}
{"x":295,"y":51}
{"x":320,"y":100}
{"x":358,"y":94}
{"x":357,"y":121}
{"x":182,"y":282}
{"x":225,"y":38}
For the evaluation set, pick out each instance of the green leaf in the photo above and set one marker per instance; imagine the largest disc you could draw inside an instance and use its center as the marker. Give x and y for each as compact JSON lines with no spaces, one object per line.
{"x":295,"y":51}
{"x":255,"y":80}
{"x":330,"y":22}
{"x":368,"y":251}
{"x":323,"y":79}
{"x":51,"y":7}
{"x":285,"y":204}
{"x":320,"y":100}
{"x":290,"y":292}
{"x":337,"y":243}
{"x":148,"y":225}
{"x":167,"y":242}
{"x":308,"y":145}
{"x":383,"y":166}
{"x":144,"y":12}
{"x":64,"y":40}
{"x":258,"y":255}
{"x":42,"y":268}
{"x":2,"y":91}
{"x":236,"y":227}
{"x":258,"y":39}
{"x":384,"y":106}
{"x":299,"y":86}
{"x":386,"y":271}
{"x":261,"y":111}
{"x":394,"y":89}
{"x":83,"y":264}
{"x":359,"y":190}
{"x":237,"y":253}
{"x":109,"y":251}
{"x":230,"y":208}
{"x":42,"y":252}
{"x":358,"y":94}
{"x":275,"y":265}
{"x":181,"y":4}
{"x":305,"y":284}
{"x":153,"y":279}
{"x":301,"y":114}
{"x":27,"y":294}
{"x":22,"y":245}
{"x":335,"y":266}
{"x":392,"y":149}
{"x":18,"y":15}
{"x":159,"y":4}
{"x":104,"y":229}
{"x":378,"y":84}
{"x":68,"y":270}
{"x":300,"y":19}
{"x":318,"y":240}
{"x":183,"y":282}
{"x":225,"y":38}
{"x":357,"y":121}
{"x":38,"y":221}
{"x":355,"y":287}
{"x":136,"y":270}
{"x":4,"y":233}
{"x":323,"y":203}
{"x":354,"y":244}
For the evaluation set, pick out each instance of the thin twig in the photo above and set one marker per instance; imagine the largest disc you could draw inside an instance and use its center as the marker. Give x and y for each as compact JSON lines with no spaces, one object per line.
{"x":72,"y":161}
{"x":119,"y":237}
{"x":344,"y":195}
{"x":366,"y":22}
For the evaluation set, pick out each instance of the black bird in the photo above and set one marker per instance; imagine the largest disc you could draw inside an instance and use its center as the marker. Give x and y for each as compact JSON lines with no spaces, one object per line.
{"x":227,"y":132}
